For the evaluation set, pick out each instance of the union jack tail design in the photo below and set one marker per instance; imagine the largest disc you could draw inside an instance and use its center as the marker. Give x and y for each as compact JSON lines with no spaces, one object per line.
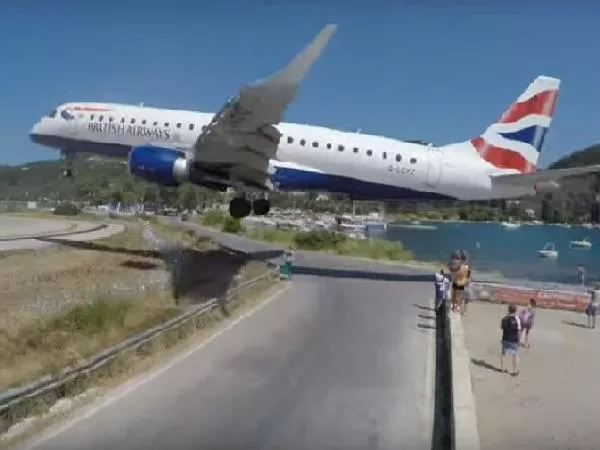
{"x":515,"y":141}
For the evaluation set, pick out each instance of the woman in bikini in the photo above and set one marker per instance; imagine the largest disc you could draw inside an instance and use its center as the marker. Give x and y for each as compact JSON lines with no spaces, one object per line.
{"x":459,"y":282}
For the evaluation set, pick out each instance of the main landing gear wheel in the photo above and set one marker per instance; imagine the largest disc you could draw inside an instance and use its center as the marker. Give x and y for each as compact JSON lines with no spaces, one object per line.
{"x":261,"y":207}
{"x":239,"y":207}
{"x":67,"y":173}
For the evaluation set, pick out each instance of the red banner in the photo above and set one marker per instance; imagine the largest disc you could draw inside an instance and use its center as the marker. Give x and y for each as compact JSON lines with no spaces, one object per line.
{"x":543,"y":298}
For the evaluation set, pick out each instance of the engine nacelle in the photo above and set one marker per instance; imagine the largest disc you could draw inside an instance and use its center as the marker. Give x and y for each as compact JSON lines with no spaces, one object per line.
{"x":161,"y":165}
{"x":545,"y":187}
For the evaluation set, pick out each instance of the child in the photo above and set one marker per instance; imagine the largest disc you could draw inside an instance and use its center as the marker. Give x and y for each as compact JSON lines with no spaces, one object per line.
{"x":592,"y":308}
{"x":511,"y":336}
{"x":526,"y":317}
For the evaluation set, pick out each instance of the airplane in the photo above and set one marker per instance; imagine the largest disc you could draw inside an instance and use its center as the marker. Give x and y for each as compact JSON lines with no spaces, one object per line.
{"x":245,"y":146}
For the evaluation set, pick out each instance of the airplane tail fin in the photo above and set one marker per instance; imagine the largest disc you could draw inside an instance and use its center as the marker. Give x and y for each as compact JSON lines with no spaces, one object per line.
{"x":515,"y":141}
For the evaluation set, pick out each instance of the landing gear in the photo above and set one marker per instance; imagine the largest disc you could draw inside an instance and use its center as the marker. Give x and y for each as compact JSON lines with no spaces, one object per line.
{"x":261,"y":207}
{"x":240,"y":207}
{"x":67,"y":173}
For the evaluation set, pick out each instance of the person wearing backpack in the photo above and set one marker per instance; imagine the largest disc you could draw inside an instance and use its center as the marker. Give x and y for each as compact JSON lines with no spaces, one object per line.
{"x":526,"y":317}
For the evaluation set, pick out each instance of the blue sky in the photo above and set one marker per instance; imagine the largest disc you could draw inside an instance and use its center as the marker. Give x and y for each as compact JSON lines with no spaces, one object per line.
{"x":440,"y":71}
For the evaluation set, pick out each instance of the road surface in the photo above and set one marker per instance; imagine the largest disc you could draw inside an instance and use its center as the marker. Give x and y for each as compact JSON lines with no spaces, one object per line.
{"x":339,"y":360}
{"x":21,"y":233}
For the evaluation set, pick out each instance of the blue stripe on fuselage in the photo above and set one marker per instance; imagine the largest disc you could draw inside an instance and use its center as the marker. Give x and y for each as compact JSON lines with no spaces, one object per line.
{"x":289,"y":179}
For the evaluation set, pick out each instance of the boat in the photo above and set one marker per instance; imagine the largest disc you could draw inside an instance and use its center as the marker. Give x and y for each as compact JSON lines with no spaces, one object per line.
{"x":549,"y":251}
{"x":584,"y":243}
{"x":510,"y":225}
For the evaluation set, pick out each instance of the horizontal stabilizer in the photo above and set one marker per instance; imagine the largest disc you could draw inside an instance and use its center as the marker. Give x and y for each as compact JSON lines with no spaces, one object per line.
{"x":544,"y":175}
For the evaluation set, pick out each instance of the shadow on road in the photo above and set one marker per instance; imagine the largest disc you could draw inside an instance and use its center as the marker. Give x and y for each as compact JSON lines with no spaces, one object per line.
{"x":485,"y":365}
{"x":196,"y":275}
{"x":359,"y":274}
{"x":574,"y":324}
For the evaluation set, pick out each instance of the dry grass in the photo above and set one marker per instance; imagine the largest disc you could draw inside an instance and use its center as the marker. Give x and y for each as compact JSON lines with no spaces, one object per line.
{"x":45,"y":281}
{"x":61,"y":306}
{"x":45,"y":345}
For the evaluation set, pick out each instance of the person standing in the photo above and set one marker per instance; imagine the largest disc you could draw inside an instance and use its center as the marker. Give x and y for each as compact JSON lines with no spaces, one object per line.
{"x":511,"y":337}
{"x":526,"y":316}
{"x":592,"y":308}
{"x":459,"y":282}
{"x":441,"y":288}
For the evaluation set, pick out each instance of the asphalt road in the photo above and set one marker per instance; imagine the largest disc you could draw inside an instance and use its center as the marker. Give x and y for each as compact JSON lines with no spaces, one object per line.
{"x":336,"y":361}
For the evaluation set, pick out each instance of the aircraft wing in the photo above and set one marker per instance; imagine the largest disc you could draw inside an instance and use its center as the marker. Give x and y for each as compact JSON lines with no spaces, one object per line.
{"x":544,"y":175}
{"x":237,"y":145}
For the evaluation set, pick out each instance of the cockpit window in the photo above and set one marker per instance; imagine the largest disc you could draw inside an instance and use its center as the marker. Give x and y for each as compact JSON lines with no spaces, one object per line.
{"x":66,"y":115}
{"x":52,"y":114}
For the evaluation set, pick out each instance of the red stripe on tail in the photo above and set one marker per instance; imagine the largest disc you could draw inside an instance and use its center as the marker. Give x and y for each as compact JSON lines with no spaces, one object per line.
{"x":543,"y":104}
{"x":502,"y":158}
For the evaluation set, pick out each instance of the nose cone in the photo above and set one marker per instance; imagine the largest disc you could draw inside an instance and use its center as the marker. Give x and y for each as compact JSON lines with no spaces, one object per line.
{"x":34,"y":133}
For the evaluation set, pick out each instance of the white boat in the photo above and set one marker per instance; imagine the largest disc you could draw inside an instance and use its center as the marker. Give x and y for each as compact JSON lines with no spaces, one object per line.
{"x":584,"y":243}
{"x":510,"y":225}
{"x":549,"y":251}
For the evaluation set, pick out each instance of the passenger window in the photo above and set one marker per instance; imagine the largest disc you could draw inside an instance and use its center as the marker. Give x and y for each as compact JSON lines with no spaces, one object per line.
{"x":191,"y":126}
{"x":167,"y":124}
{"x":144,"y":122}
{"x":100,"y":118}
{"x":290,"y":140}
{"x":369,"y":152}
{"x":52,"y":114}
{"x":384,"y":155}
{"x":132,"y":121}
{"x":315,"y":144}
{"x":203,"y":127}
{"x":179,"y":125}
{"x":329,"y":146}
{"x":355,"y":149}
{"x":110,"y":119}
{"x":123,"y":120}
{"x":91,"y":117}
{"x":302,"y":142}
{"x":341,"y":148}
{"x":398,"y":158}
{"x":155,"y":123}
{"x":413,"y":160}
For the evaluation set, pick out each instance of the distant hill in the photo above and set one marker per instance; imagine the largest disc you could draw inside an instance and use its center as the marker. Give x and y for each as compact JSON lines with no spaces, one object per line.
{"x":42,"y":179}
{"x":585,"y":157}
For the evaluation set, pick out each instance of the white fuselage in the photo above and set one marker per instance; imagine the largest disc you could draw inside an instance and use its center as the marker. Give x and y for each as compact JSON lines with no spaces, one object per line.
{"x":308,"y":157}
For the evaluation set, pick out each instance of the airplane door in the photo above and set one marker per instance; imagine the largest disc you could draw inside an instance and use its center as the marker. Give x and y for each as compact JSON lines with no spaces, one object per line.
{"x":434,"y":166}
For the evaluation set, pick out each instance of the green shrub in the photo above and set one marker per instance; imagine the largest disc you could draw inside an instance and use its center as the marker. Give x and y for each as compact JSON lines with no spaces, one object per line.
{"x":375,"y":249}
{"x":319,"y":240}
{"x":213,"y":217}
{"x":232,"y":225}
{"x":147,"y":217}
{"x":67,"y":209}
{"x":272,"y":235}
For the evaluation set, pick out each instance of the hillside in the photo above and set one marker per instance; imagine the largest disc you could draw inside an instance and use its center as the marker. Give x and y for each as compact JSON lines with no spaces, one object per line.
{"x":585,"y":157}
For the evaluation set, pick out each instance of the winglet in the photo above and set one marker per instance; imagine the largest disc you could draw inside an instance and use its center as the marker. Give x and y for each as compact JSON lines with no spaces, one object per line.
{"x":296,"y":70}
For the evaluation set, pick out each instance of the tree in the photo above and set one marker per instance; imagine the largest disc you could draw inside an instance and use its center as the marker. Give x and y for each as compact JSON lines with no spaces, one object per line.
{"x":188,"y":197}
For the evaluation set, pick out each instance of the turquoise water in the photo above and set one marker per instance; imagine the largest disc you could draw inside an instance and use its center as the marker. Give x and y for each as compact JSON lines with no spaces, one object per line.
{"x":513,"y":253}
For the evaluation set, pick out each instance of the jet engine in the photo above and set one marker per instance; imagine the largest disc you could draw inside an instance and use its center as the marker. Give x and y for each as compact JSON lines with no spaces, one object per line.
{"x":161,"y":165}
{"x":546,"y":187}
